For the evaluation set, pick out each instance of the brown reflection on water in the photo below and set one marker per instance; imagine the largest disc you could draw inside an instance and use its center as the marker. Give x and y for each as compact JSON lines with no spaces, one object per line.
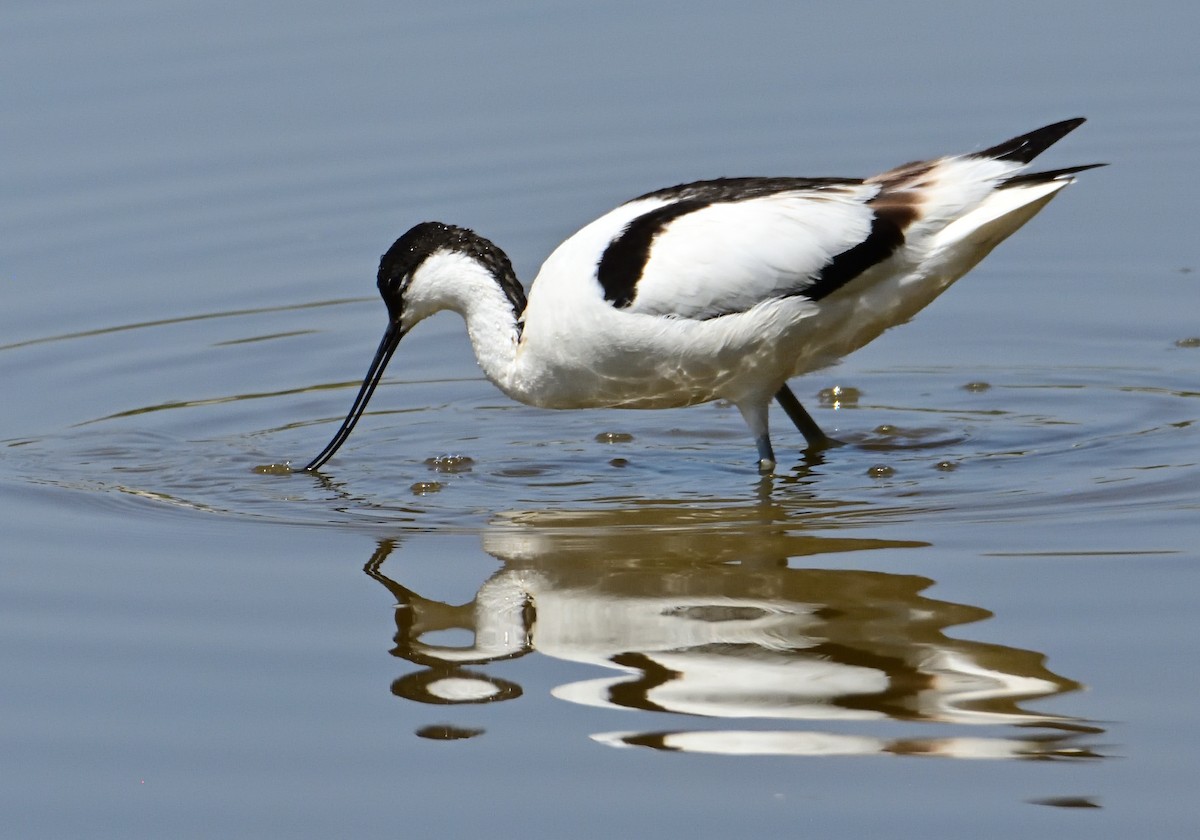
{"x":713,"y":623}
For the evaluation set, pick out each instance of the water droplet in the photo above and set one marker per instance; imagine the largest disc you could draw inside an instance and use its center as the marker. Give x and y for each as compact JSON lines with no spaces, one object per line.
{"x":839,"y":396}
{"x":447,"y":732}
{"x":450,"y":463}
{"x":522,"y":472}
{"x":881,"y":471}
{"x":275,"y":469}
{"x":1067,"y":802}
{"x":614,"y":437}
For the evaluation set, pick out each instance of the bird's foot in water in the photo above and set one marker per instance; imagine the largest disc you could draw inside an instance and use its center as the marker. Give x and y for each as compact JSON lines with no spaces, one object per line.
{"x":823,"y":443}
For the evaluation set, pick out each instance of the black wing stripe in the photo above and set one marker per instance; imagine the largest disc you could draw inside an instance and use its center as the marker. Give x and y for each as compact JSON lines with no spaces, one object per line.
{"x":625,"y":258}
{"x":719,"y":190}
{"x":885,"y":238}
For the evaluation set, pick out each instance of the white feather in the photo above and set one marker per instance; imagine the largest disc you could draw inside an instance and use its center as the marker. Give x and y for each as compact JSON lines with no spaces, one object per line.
{"x":729,"y":257}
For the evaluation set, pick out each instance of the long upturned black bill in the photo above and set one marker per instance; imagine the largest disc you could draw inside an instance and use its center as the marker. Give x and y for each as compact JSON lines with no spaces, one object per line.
{"x":391,"y":340}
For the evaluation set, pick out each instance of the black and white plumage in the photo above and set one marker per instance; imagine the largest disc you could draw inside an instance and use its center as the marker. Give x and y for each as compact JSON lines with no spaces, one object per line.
{"x":719,"y":289}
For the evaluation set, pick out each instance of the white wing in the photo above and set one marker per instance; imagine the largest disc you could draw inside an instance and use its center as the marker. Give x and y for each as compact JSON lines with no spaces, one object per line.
{"x":710,"y":251}
{"x":728,"y":256}
{"x":713,"y":248}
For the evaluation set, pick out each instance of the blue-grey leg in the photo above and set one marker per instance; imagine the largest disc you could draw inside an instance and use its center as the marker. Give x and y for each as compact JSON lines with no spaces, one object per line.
{"x":756,"y":418}
{"x":808,"y":427}
{"x":766,"y":455}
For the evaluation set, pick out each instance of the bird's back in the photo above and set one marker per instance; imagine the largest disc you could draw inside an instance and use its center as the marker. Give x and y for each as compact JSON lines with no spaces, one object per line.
{"x":661,"y":286}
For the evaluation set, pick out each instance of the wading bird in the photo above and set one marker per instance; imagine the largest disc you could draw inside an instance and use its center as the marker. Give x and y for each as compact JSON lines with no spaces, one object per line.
{"x":715,"y":290}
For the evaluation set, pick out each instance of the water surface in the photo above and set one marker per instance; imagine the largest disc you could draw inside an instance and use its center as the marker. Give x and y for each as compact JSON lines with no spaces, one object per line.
{"x":976,"y":617}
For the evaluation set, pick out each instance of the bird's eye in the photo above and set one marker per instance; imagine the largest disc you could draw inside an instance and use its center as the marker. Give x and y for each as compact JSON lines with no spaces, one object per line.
{"x":395,"y":284}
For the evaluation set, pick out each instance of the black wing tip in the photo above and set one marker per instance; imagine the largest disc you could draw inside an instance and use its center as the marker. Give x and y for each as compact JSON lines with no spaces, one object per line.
{"x":1048,"y":175}
{"x":1025,"y":148}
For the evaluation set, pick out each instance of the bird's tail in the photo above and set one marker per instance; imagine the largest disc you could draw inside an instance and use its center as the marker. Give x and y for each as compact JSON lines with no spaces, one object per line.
{"x":1023,"y":149}
{"x":1026,"y":147}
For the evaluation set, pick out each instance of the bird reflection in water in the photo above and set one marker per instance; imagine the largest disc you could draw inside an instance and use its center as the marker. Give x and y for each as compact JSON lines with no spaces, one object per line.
{"x":715,"y":624}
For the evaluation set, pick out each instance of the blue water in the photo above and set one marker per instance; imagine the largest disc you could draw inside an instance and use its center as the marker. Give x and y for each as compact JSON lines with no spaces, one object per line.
{"x":495,"y":619}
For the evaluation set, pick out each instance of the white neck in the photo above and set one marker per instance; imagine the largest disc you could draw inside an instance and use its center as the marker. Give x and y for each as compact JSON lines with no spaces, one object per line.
{"x":458,"y":282}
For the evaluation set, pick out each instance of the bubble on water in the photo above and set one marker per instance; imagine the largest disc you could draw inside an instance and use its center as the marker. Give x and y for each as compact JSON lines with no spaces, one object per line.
{"x":1192,"y":341}
{"x":946,"y":466}
{"x":977,"y":387}
{"x":881,"y":471}
{"x":424,"y":488}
